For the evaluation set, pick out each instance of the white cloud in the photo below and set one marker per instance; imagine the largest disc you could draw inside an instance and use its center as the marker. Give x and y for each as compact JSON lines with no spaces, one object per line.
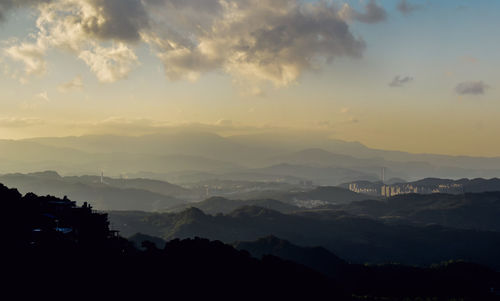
{"x":80,"y":27}
{"x":19,"y":122}
{"x":43,"y":96}
{"x":31,"y":55}
{"x":224,"y":122}
{"x":111,"y":63}
{"x":76,"y":84}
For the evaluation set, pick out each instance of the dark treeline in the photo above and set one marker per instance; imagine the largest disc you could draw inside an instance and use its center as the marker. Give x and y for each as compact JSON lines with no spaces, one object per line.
{"x":57,"y":249}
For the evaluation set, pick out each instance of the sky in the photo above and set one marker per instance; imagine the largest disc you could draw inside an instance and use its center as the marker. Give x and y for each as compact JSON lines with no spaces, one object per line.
{"x":420,"y":76}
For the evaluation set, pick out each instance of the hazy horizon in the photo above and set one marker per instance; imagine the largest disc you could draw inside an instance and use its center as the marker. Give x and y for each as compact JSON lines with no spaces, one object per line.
{"x":224,"y":132}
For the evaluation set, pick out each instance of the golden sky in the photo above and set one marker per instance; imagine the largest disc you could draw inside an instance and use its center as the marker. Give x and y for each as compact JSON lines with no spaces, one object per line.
{"x":419,"y":77}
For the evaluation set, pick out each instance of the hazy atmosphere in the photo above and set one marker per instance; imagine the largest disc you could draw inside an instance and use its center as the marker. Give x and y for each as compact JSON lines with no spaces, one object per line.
{"x":251,"y":149}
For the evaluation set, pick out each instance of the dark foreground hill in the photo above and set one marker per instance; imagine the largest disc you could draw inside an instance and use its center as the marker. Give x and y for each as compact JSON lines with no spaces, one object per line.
{"x":55,"y":249}
{"x":317,"y":258}
{"x":355,"y":239}
{"x":379,"y":280}
{"x":479,"y":211}
{"x":392,"y":281}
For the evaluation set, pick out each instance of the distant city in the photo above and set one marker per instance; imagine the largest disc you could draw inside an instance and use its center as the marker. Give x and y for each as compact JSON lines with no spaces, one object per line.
{"x":380,"y":189}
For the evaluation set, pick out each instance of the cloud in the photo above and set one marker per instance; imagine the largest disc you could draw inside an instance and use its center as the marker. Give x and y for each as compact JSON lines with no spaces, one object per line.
{"x":224,"y":122}
{"x":345,"y":110}
{"x":251,"y":40}
{"x":325,"y":124}
{"x":17,"y":122}
{"x":268,"y":40}
{"x":117,"y":20}
{"x":43,"y":96}
{"x":76,"y":84}
{"x":110,"y":64}
{"x":471,"y":88}
{"x":31,"y":55}
{"x":80,"y":27}
{"x":399,"y":81}
{"x":406,"y":8}
{"x":140,"y":126}
{"x":373,"y":13}
{"x":121,"y":20}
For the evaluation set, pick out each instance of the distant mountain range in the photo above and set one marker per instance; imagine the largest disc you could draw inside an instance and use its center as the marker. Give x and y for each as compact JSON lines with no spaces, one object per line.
{"x":207,"y":156}
{"x":108,"y":193}
{"x":219,"y":205}
{"x":111,"y":194}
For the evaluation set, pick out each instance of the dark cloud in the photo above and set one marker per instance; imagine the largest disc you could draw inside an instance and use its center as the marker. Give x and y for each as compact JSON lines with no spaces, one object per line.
{"x":471,"y":88}
{"x":115,"y":19}
{"x":399,"y":81}
{"x":124,"y":19}
{"x":406,"y":8}
{"x":373,"y":13}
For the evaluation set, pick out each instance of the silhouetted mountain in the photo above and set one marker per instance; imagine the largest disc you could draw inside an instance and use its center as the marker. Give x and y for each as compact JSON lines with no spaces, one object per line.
{"x":388,"y":280}
{"x":295,"y":142}
{"x":139,"y":239}
{"x":480,"y":185}
{"x":102,"y":195}
{"x":51,"y":240}
{"x":467,"y":211}
{"x":352,"y":238}
{"x":215,"y":205}
{"x":317,"y":258}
